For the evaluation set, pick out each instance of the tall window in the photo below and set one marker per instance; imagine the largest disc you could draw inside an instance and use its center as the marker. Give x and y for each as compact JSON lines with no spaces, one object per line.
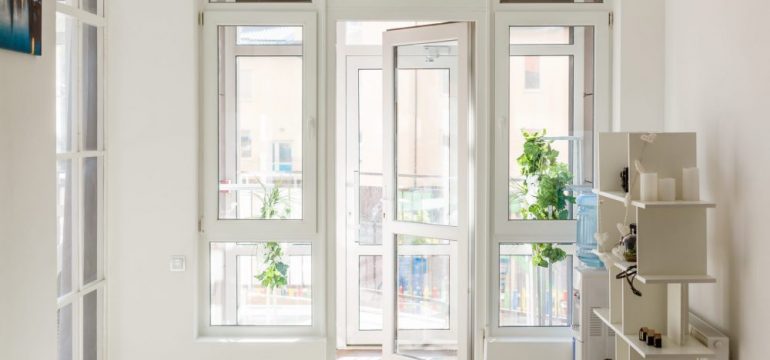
{"x":550,"y":76}
{"x":259,"y":237}
{"x":80,"y":179}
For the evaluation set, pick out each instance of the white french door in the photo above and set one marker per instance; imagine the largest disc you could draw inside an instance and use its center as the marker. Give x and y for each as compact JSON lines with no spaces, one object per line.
{"x":425,"y":244}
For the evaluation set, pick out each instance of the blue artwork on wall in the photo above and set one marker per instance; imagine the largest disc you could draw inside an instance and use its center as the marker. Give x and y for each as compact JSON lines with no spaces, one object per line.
{"x":21,"y":25}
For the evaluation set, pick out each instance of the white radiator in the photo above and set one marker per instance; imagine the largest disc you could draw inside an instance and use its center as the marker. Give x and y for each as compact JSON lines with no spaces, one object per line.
{"x":710,"y":337}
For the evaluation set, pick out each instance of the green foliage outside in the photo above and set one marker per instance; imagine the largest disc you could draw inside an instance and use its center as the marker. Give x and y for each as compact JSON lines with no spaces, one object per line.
{"x":274,"y":206}
{"x":543,"y":193}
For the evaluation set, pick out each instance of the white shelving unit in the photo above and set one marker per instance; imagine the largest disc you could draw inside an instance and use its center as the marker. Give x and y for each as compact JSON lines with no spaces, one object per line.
{"x":671,"y":246}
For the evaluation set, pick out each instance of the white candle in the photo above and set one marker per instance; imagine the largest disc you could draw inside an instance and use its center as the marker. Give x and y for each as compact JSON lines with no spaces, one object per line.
{"x":690,"y":184}
{"x":667,"y":189}
{"x":648,"y":186}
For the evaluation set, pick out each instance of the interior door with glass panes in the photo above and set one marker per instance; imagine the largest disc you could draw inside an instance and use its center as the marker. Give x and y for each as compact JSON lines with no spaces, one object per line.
{"x":426,"y":76}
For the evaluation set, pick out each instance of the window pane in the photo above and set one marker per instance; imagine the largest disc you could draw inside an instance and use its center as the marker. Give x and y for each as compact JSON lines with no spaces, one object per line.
{"x":370,"y":157}
{"x":550,"y":109}
{"x":425,"y":275}
{"x":530,"y":35}
{"x":91,"y":6}
{"x":66,"y":84}
{"x":91,"y":126}
{"x":92,"y":193}
{"x":550,"y":1}
{"x":90,"y":326}
{"x":370,"y":292}
{"x":64,"y":330}
{"x":370,"y":32}
{"x":64,"y":223}
{"x":426,"y":131}
{"x":260,"y":144}
{"x":531,"y":295}
{"x":269,"y":35}
{"x":261,"y":284}
{"x":259,"y":1}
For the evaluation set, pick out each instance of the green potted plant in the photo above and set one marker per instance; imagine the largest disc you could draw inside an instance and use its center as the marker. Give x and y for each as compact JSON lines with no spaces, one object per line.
{"x":543,"y":195}
{"x":275,"y":273}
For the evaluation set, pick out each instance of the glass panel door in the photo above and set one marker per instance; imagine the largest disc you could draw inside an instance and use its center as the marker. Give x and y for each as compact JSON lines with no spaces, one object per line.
{"x":426,"y":75}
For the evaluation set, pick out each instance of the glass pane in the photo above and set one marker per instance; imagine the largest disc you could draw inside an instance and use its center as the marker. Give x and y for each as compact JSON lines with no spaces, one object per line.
{"x":260,"y":141}
{"x":530,"y":35}
{"x":426,"y":131}
{"x":269,"y":35}
{"x":90,"y":326}
{"x":66,"y":84}
{"x":551,"y":117}
{"x":424,"y":293}
{"x":370,"y":292}
{"x":92,"y":193}
{"x":91,"y":126}
{"x":259,"y":1}
{"x":370,"y":157}
{"x":261,"y":284}
{"x":550,"y":1}
{"x":64,"y":333}
{"x":91,"y":6}
{"x":370,"y":32}
{"x":64,"y":224}
{"x":531,"y":295}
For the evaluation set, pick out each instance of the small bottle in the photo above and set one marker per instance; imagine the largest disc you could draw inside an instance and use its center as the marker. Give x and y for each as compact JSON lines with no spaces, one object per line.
{"x":658,"y":340}
{"x":629,"y":241}
{"x":651,"y":337}
{"x":643,"y":334}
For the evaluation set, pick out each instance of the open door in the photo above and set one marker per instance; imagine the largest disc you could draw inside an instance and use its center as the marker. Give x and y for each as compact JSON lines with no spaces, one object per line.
{"x":426,"y":250}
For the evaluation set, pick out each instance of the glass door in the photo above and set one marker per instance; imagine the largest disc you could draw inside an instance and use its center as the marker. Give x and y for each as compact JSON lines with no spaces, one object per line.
{"x":426,"y":73}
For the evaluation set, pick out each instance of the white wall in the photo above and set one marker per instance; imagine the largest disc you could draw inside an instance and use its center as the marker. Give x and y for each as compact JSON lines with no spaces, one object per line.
{"x":27,"y":200}
{"x":152,"y":174}
{"x":719,"y":85}
{"x":638,"y":65}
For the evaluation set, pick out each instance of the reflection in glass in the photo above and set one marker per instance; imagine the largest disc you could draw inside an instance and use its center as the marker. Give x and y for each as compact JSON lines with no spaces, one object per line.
{"x":545,"y":35}
{"x":64,"y":328}
{"x":66,"y":82}
{"x":425,"y":296}
{"x":90,"y":326}
{"x":91,"y":127}
{"x":370,"y":292}
{"x":260,"y":284}
{"x":370,"y":157}
{"x":92,"y":192}
{"x":531,"y":295}
{"x":64,"y":224}
{"x":427,"y":134}
{"x":260,"y":138}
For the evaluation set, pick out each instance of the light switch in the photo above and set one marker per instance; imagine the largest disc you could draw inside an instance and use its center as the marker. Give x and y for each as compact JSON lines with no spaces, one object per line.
{"x":177,"y":263}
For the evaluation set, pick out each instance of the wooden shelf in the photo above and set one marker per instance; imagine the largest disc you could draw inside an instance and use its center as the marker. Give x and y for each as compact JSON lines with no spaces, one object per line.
{"x":692,"y":350}
{"x":621,"y":197}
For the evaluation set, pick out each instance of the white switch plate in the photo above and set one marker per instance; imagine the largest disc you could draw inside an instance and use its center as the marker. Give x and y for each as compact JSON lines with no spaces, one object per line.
{"x":177,"y":263}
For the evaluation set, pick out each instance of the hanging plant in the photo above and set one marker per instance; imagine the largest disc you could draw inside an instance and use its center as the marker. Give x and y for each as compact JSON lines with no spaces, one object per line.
{"x":544,"y":191}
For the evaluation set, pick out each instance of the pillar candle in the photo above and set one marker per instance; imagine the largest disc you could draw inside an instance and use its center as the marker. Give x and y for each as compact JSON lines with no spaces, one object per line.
{"x":667,"y":189}
{"x":648,"y":186}
{"x":690,"y":184}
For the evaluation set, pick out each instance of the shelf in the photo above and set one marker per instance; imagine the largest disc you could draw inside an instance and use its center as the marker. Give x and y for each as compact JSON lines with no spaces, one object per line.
{"x":692,"y":350}
{"x":621,"y":197}
{"x":660,"y":279}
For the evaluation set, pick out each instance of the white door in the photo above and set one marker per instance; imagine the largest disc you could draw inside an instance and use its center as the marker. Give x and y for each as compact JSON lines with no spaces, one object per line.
{"x":427,"y":102}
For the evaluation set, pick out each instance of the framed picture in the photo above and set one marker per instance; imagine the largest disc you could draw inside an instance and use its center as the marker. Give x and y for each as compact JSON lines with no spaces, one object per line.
{"x":21,"y":23}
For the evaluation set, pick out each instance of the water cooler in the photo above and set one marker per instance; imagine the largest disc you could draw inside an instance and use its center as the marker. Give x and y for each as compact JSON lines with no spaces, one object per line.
{"x":592,"y":339}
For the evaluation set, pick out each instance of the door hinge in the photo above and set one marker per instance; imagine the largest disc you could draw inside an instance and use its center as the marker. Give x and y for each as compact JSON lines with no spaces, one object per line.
{"x":200,"y":225}
{"x":611,"y":22}
{"x":201,"y":18}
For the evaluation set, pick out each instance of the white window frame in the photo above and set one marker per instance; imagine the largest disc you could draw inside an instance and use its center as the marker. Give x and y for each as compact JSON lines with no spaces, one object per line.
{"x":77,"y":155}
{"x":251,"y":231}
{"x":532,"y":231}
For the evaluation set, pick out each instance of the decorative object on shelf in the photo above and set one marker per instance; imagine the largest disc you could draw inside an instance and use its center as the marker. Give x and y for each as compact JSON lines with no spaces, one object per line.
{"x":651,"y":337}
{"x":648,"y":186}
{"x":658,"y":340}
{"x":630,"y":274}
{"x":624,"y":179}
{"x":629,"y":244}
{"x":604,"y":245}
{"x":545,"y":191}
{"x":643,"y":334}
{"x":586,"y":229}
{"x":667,"y":189}
{"x":21,"y":26}
{"x":690,"y":184}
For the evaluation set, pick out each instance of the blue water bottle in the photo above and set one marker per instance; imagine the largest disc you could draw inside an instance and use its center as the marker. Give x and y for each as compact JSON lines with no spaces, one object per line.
{"x":586,"y":228}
